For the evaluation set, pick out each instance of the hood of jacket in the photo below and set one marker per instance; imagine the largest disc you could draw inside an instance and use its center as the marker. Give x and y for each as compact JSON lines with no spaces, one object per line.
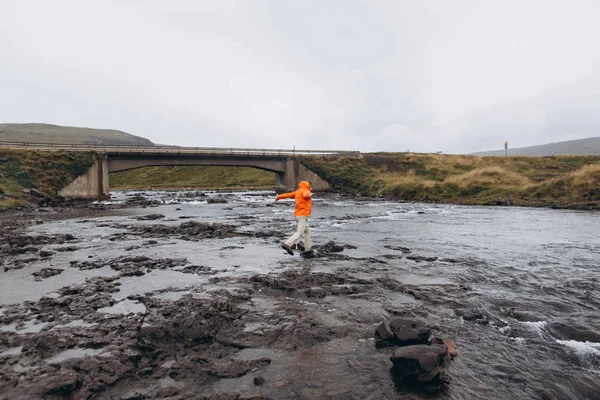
{"x":304,"y":185}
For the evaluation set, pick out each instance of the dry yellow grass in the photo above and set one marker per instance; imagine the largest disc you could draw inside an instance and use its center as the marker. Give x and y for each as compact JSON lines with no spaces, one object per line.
{"x":496,"y":176}
{"x":587,"y":175}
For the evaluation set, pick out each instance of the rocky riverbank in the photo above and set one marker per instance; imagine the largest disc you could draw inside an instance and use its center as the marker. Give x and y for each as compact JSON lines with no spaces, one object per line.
{"x":196,"y":306}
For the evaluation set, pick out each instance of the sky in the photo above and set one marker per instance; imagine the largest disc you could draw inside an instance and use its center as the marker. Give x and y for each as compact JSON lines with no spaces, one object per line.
{"x":370,"y":75}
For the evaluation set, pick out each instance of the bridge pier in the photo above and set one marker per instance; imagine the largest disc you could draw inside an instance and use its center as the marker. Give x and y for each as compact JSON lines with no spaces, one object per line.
{"x":293,"y":173}
{"x":91,"y":185}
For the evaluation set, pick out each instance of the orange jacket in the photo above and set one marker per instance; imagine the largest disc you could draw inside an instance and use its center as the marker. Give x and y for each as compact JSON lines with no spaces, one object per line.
{"x":303,"y":198}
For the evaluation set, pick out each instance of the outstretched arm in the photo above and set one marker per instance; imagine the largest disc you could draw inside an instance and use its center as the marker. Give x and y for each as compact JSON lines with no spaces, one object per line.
{"x":285,"y":196}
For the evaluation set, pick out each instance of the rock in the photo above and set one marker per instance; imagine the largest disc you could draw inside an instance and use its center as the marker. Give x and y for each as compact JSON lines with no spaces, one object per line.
{"x":402,"y":332}
{"x":134,"y":395}
{"x":421,"y":258}
{"x":421,"y":362}
{"x":216,"y":200}
{"x":46,"y":253}
{"x":547,"y":394}
{"x":63,"y":385}
{"x":1,"y":191}
{"x":259,"y":380}
{"x":46,"y":273}
{"x":68,"y":248}
{"x":571,"y":331}
{"x":168,"y":391}
{"x":229,"y":370}
{"x":398,"y":248}
{"x":149,"y":217}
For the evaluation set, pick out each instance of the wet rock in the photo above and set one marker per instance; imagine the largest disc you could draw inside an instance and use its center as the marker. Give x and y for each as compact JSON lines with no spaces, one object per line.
{"x":63,"y":385}
{"x":450,"y":260}
{"x":149,"y":217}
{"x":168,"y":391}
{"x":67,"y":248}
{"x":198,"y":269}
{"x":190,"y":230}
{"x":229,"y":370}
{"x":46,"y":253}
{"x":308,"y":254}
{"x":134,"y":395}
{"x":547,"y":394}
{"x":259,"y":380}
{"x":23,"y":250}
{"x":401,"y":332}
{"x":421,"y":362}
{"x":131,"y":271}
{"x":398,"y":248}
{"x":421,"y":258}
{"x":46,"y":273}
{"x":572,"y":331}
{"x":216,"y":200}
{"x":140,"y":201}
{"x":24,"y":240}
{"x":473,"y":316}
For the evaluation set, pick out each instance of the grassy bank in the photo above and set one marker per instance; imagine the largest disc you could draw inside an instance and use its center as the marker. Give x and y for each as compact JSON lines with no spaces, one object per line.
{"x":559,"y":181}
{"x":243,"y":178}
{"x":46,"y":172}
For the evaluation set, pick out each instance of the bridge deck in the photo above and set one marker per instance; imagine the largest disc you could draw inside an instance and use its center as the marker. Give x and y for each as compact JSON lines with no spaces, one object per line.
{"x":158,"y":150}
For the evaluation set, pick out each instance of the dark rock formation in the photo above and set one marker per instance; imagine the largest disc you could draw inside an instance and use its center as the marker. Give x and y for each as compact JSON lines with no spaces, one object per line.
{"x":401,"y":332}
{"x":422,"y":363}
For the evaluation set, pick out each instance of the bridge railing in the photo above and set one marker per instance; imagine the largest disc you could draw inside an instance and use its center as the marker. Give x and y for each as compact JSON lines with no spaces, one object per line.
{"x":173,"y":149}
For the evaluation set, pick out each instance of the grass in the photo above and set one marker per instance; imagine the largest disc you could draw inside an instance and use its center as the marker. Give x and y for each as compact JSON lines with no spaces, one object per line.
{"x":560,"y":181}
{"x":194,"y":176}
{"x":47,"y":172}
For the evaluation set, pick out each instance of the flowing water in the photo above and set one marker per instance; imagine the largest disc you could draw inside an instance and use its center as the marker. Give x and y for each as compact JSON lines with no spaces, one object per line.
{"x":516,"y":289}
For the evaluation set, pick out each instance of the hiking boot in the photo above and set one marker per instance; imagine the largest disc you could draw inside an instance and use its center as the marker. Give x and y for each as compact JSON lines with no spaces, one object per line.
{"x":288,"y":249}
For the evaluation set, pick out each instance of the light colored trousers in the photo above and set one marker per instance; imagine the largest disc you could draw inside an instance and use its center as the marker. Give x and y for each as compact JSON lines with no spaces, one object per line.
{"x":303,"y":230}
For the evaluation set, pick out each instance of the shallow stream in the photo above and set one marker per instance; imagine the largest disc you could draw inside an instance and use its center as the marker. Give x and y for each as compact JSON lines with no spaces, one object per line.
{"x":516,"y":289}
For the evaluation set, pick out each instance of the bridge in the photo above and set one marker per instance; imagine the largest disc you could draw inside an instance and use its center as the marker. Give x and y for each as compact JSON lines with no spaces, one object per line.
{"x":114,"y":158}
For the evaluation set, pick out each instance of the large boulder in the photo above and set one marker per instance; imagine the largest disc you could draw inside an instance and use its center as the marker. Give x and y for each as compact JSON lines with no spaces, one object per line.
{"x":401,"y":332}
{"x":421,"y":362}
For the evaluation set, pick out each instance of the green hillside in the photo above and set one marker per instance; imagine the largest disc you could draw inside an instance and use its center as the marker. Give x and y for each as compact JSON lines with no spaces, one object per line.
{"x":45,"y":133}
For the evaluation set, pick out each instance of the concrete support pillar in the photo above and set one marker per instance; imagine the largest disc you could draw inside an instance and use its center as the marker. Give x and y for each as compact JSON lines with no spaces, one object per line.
{"x":91,"y":185}
{"x":295,"y":172}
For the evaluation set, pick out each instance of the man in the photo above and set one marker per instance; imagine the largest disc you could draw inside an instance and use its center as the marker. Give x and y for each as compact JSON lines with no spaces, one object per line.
{"x":303,"y":198}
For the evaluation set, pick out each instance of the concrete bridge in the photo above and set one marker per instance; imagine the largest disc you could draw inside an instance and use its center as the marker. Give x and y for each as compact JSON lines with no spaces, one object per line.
{"x":95,"y":183}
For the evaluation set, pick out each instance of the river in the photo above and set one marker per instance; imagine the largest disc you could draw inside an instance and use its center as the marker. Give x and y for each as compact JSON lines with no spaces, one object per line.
{"x":516,"y":289}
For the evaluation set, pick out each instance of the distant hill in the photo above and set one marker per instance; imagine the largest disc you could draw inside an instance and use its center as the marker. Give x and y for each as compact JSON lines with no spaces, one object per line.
{"x":580,"y":147}
{"x":45,"y":133}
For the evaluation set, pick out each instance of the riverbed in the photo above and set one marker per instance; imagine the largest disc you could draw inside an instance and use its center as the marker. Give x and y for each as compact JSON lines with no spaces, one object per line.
{"x":189,"y":295}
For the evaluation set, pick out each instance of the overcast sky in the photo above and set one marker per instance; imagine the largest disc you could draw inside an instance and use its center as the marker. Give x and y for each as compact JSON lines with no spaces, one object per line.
{"x":454,"y":76}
